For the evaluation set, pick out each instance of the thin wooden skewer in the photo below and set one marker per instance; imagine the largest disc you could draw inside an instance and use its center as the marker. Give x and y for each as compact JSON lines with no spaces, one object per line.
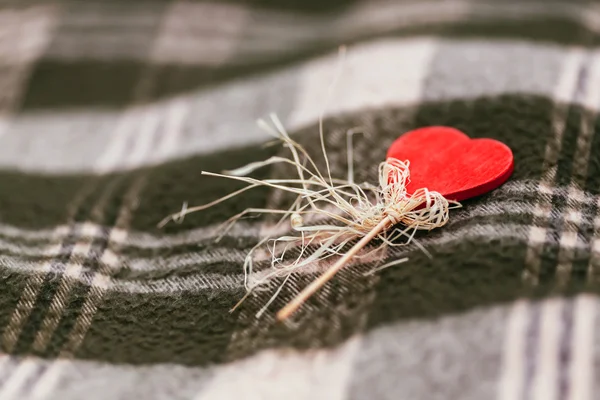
{"x":308,"y":291}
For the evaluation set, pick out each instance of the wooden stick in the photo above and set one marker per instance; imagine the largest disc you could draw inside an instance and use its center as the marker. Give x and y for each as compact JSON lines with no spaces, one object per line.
{"x":308,"y":291}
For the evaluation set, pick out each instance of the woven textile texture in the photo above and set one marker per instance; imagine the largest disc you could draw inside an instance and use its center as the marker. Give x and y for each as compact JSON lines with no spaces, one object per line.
{"x":110,"y":110}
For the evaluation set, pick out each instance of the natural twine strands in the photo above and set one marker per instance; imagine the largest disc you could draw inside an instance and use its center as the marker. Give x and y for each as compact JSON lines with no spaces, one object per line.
{"x":328,"y":214}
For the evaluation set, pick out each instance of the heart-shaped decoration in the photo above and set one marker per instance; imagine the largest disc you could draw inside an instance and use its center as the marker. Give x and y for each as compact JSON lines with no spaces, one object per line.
{"x":447,"y":161}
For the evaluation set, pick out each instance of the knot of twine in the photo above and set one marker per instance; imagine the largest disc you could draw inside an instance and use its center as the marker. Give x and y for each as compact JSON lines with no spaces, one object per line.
{"x":424,"y":209}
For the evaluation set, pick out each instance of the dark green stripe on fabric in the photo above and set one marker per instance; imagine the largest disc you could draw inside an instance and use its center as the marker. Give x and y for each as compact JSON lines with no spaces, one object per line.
{"x":186,"y":328}
{"x":45,"y":201}
{"x":300,"y":6}
{"x":459,"y":277}
{"x":55,"y":84}
{"x":37,"y":201}
{"x":172,"y":184}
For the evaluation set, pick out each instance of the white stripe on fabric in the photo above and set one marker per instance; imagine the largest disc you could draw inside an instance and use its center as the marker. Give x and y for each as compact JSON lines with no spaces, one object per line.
{"x":206,"y":281}
{"x":25,"y":33}
{"x":193,"y":283}
{"x":7,"y":364}
{"x":582,"y":367}
{"x":275,"y":375}
{"x":229,"y":255}
{"x":46,"y":385}
{"x":511,"y":383}
{"x":4,"y":122}
{"x":16,"y":382}
{"x":484,"y":232}
{"x":397,"y":80}
{"x":545,"y":380}
{"x":129,"y":239}
{"x":117,"y":145}
{"x":173,"y":129}
{"x":154,"y":130}
{"x":591,"y":99}
{"x":149,"y":241}
{"x":218,"y":254}
{"x":144,"y":136}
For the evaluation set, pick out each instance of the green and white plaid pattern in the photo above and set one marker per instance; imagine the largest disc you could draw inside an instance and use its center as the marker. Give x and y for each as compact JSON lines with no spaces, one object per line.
{"x":109,"y":111}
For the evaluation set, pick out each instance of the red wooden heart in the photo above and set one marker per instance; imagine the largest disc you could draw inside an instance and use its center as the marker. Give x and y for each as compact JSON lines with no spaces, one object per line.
{"x":447,"y":161}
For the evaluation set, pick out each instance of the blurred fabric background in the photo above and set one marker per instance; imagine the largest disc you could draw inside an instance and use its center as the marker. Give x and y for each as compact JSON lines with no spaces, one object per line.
{"x":110,"y":110}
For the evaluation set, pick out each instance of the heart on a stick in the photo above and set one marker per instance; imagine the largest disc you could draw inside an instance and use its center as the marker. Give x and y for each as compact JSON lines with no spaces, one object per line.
{"x":447,"y":161}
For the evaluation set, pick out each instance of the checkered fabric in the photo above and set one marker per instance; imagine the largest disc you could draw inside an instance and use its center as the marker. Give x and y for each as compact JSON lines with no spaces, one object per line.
{"x":109,"y":110}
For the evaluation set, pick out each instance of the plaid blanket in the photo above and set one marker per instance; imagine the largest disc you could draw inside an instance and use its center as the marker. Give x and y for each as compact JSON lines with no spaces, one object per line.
{"x":110,"y":110}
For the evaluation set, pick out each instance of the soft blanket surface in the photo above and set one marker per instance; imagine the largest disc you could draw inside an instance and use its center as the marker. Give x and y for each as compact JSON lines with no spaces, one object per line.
{"x":109,"y":110}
